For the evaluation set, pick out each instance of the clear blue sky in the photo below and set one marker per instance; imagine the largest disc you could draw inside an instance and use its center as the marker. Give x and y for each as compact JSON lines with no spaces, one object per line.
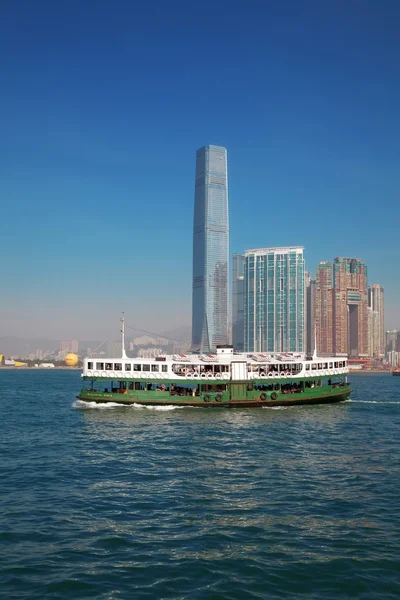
{"x":103,"y":105}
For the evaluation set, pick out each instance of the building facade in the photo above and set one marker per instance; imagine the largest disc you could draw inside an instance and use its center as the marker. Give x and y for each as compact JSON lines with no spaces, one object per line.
{"x":392,"y":348}
{"x":350,"y":307}
{"x":377,"y":320}
{"x":210,"y":250}
{"x":238,"y":302}
{"x":324,"y":308}
{"x":274,"y":305}
{"x":310,"y":313}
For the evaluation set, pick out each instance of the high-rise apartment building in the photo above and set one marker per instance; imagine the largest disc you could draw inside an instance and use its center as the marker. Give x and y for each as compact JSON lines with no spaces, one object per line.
{"x":377,"y":320}
{"x":392,"y":342}
{"x":350,"y":307}
{"x":238,"y":302}
{"x":324,"y":308}
{"x":310,"y":313}
{"x":210,"y":250}
{"x":68,"y":346}
{"x":274,"y":300}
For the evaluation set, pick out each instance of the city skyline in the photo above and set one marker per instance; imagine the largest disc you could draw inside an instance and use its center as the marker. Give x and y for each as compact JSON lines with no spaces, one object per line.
{"x":97,"y":171}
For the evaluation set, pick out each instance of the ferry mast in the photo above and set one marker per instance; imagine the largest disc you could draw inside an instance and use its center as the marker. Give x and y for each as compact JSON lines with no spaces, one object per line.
{"x":123,"y":336}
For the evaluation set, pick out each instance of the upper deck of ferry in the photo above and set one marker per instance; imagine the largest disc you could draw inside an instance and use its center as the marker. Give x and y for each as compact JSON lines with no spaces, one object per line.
{"x":223,"y":364}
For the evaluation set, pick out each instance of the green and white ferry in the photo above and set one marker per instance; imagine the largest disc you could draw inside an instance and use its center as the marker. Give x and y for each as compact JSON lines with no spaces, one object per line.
{"x":224,"y":379}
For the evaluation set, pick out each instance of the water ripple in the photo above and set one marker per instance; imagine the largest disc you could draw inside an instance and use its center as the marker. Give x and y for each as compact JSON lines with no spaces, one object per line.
{"x":112,"y":502}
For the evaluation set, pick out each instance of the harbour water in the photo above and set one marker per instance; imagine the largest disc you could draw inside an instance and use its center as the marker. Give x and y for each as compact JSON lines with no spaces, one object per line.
{"x":122,"y":502}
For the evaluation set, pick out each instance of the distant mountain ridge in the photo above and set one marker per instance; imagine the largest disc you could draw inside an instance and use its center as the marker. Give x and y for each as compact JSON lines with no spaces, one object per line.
{"x":182,"y":333}
{"x":15,"y":346}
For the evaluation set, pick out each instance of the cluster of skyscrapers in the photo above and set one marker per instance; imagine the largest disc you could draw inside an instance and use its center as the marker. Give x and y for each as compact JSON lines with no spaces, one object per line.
{"x":348,"y":316}
{"x":276,"y":306}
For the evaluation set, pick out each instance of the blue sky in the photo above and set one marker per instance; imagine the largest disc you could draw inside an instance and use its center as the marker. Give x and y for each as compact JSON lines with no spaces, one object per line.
{"x":103,"y":106}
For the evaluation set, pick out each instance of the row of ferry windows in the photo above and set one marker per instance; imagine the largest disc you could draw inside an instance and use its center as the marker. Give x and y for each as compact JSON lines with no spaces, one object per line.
{"x":178,"y":369}
{"x":181,"y":369}
{"x":128,"y":367}
{"x":331,"y":365}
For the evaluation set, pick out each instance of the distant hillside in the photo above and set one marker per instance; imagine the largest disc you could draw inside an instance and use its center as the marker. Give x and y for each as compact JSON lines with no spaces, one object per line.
{"x":182,"y":333}
{"x":14,"y":346}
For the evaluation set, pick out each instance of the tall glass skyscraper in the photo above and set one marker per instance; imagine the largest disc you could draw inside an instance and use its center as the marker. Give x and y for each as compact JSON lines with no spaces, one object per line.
{"x":274,"y":300}
{"x":238,"y":302}
{"x":210,"y":250}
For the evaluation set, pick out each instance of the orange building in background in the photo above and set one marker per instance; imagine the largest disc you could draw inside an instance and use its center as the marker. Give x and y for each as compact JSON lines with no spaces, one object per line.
{"x":350,"y":307}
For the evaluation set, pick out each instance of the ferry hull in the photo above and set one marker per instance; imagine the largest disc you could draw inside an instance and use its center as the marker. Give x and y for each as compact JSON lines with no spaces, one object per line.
{"x":339,"y":395}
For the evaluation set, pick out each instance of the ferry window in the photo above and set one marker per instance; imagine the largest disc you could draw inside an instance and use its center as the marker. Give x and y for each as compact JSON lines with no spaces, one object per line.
{"x":314,"y":367}
{"x":130,"y":385}
{"x":146,"y":367}
{"x":336,"y":365}
{"x":319,"y":365}
{"x":90,"y":365}
{"x":325,"y":365}
{"x":137,"y":386}
{"x":100,"y":366}
{"x":340,"y":364}
{"x":164,"y":368}
{"x":117,"y":366}
{"x":137,"y":367}
{"x":155,"y":368}
{"x":128,"y":367}
{"x":307,"y":367}
{"x":331,"y":365}
{"x":108,"y":366}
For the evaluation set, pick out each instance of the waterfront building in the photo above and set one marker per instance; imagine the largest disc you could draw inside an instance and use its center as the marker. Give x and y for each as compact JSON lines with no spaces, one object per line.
{"x":370,"y":331}
{"x":393,"y":359}
{"x":210,"y":250}
{"x":310,"y":313}
{"x":350,"y":307}
{"x":324,"y":308}
{"x":392,"y":343}
{"x":274,"y":310}
{"x":376,"y":330}
{"x":238,"y":302}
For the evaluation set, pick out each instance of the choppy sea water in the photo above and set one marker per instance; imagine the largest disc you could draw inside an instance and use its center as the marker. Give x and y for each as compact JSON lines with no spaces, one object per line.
{"x":122,"y":502}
